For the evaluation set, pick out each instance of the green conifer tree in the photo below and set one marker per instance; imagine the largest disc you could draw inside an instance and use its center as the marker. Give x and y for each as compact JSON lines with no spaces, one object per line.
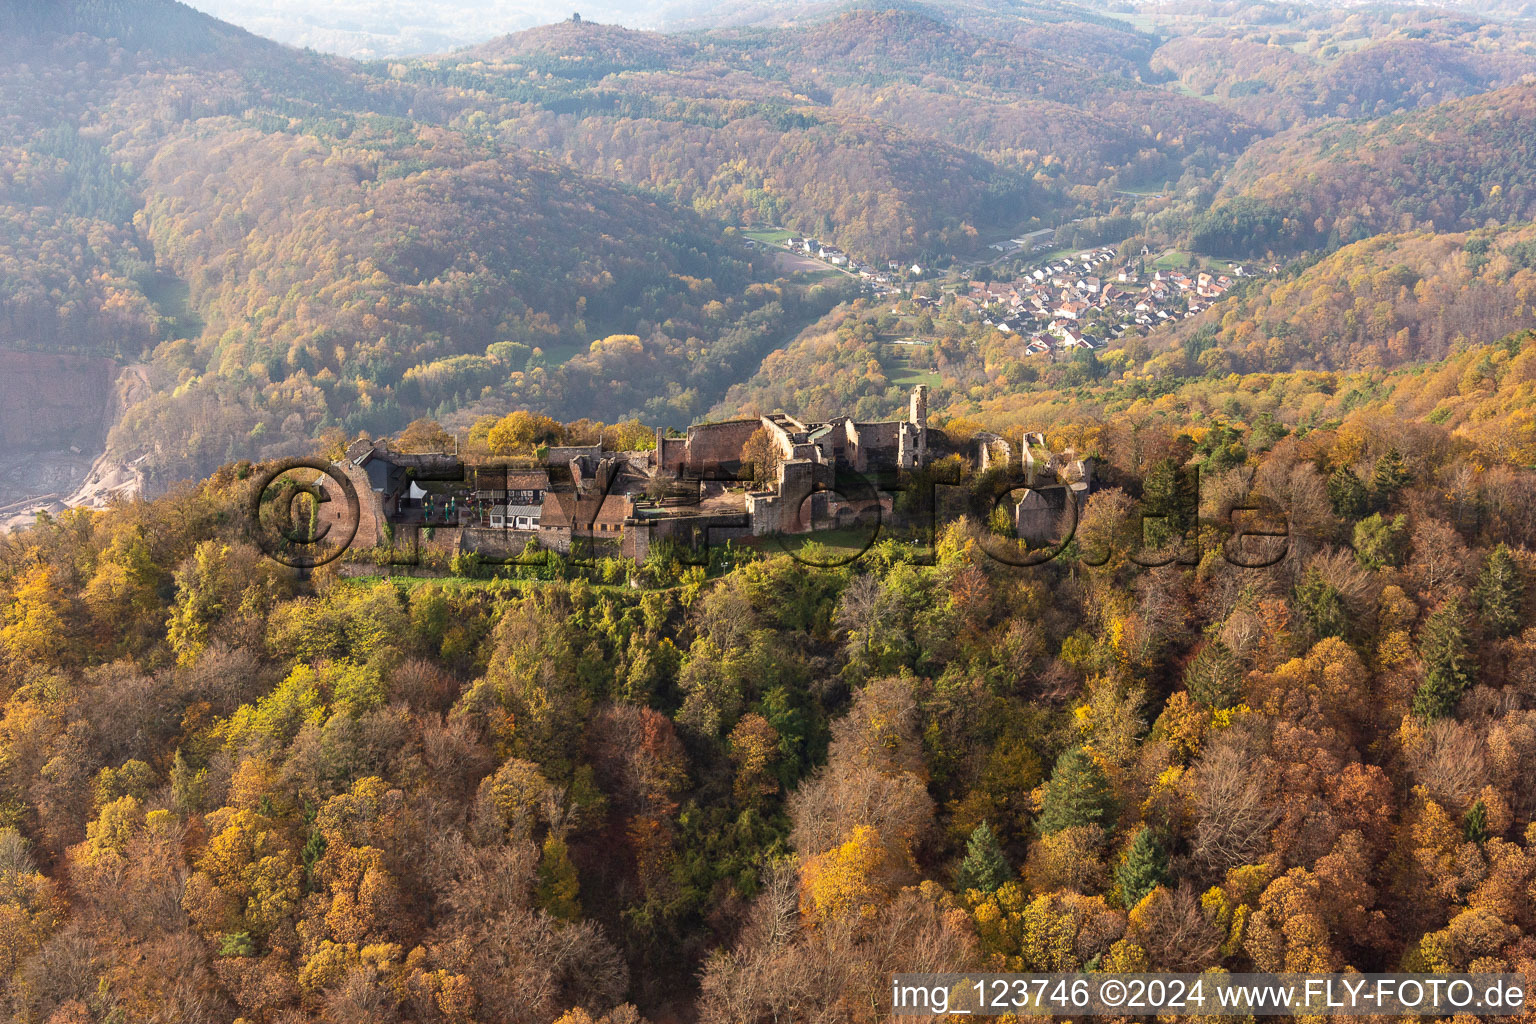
{"x":1389,"y":477}
{"x":1448,"y":668}
{"x":1170,"y":502}
{"x":187,"y":785}
{"x":1500,"y":593}
{"x":1379,"y":541}
{"x":1321,"y":606}
{"x":1077,"y":794}
{"x":1144,"y":868}
{"x":1347,"y":495}
{"x":985,"y":866}
{"x":1214,"y":678}
{"x":558,"y":883}
{"x":1475,"y":825}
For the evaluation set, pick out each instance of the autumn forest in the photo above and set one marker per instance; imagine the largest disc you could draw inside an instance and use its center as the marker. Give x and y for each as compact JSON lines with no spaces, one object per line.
{"x":749,"y":785}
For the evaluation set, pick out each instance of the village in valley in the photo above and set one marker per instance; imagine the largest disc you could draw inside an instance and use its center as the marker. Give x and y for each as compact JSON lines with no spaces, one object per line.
{"x":775,"y":475}
{"x":1087,"y":300}
{"x":1057,"y":303}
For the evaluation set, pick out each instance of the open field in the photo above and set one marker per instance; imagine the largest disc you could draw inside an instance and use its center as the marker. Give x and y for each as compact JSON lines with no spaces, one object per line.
{"x":908,"y":364}
{"x":768,"y":236}
{"x":826,"y":547}
{"x":792,"y":263}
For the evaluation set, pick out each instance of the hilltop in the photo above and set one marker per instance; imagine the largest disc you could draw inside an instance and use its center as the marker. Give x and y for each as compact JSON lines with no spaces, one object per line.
{"x":1454,"y":166}
{"x":576,"y":41}
{"x":288,"y":251}
{"x":160,"y":27}
{"x":887,"y":130}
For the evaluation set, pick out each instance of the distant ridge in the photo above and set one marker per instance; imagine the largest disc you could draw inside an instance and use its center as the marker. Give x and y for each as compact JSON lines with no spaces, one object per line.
{"x":1458,"y":165}
{"x":611,"y":43}
{"x":163,"y":26}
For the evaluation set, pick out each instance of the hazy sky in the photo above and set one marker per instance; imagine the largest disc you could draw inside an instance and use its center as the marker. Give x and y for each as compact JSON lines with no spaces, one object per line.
{"x":384,"y":28}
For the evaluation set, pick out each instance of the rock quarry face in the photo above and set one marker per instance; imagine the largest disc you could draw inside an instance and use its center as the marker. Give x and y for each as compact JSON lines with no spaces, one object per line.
{"x":55,"y":411}
{"x":50,"y":402}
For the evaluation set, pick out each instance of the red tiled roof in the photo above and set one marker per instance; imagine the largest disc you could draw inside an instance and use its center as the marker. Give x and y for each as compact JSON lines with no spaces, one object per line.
{"x":615,"y":509}
{"x":568,"y":510}
{"x":555,"y":513}
{"x":528,"y":480}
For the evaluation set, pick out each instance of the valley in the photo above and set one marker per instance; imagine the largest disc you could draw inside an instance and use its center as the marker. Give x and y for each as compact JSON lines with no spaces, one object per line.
{"x":442,"y":236}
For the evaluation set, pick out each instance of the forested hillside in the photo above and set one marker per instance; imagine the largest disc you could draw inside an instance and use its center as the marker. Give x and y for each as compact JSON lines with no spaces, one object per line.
{"x":293,"y":244}
{"x":1457,"y":165}
{"x":1384,"y":302}
{"x":746,"y":786}
{"x":754,"y":795}
{"x":351,"y":287}
{"x":1282,"y":65}
{"x":776,"y":123}
{"x":287,"y":268}
{"x":1361,"y":326}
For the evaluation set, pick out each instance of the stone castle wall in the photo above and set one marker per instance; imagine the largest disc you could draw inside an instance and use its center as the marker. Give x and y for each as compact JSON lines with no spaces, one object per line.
{"x":718,"y":445}
{"x":370,"y":507}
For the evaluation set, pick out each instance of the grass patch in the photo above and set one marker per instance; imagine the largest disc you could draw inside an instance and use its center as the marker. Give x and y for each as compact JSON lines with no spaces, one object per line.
{"x":908,"y":376}
{"x":555,"y":355}
{"x":448,"y":584}
{"x":771,"y":236}
{"x":825,"y":547}
{"x":908,"y":365}
{"x":503,"y":584}
{"x":1178,"y":260}
{"x":1174,"y":260}
{"x":821,"y":275}
{"x":1144,"y":188}
{"x":172,"y":299}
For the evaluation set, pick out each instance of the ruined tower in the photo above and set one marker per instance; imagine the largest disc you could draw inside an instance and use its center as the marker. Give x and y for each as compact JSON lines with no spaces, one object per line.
{"x":917,"y":416}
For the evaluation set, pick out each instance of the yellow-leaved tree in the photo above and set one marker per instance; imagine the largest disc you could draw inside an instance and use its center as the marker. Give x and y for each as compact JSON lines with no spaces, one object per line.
{"x":34,"y":620}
